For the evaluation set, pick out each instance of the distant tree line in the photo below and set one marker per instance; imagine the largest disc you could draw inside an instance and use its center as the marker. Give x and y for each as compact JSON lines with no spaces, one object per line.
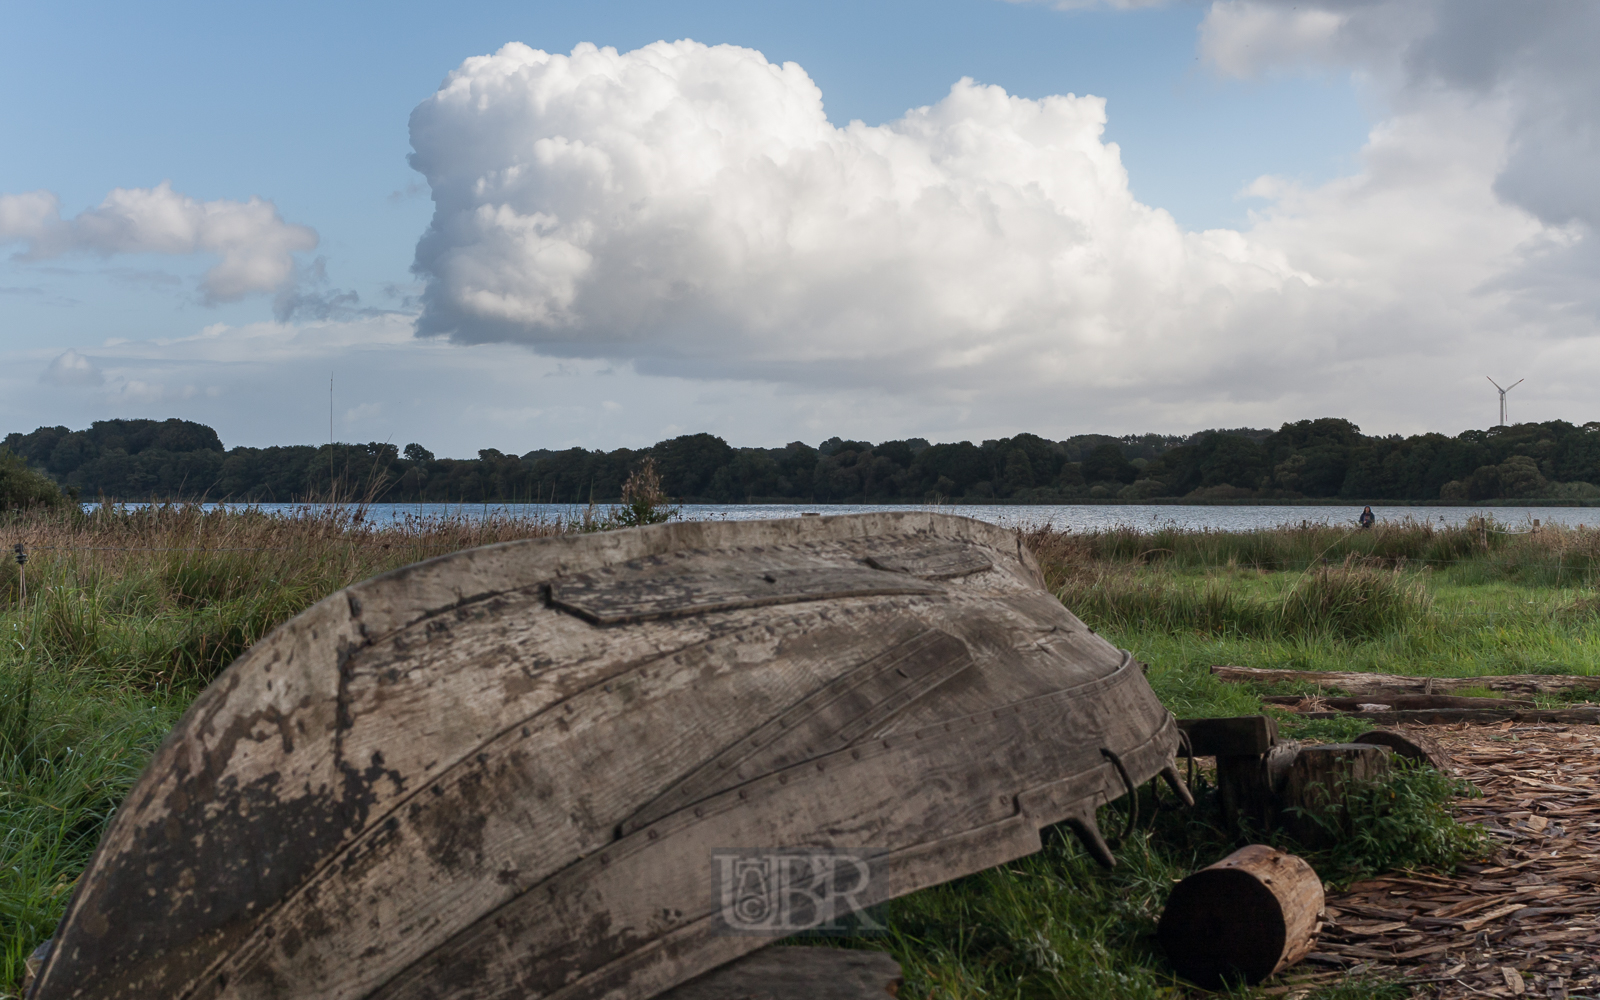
{"x":178,"y":459}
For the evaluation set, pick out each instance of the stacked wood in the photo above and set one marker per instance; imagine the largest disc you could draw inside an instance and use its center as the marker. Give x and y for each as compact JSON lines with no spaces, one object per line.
{"x":797,"y":974}
{"x":1366,"y":683}
{"x":1246,"y":917}
{"x":1529,"y":913}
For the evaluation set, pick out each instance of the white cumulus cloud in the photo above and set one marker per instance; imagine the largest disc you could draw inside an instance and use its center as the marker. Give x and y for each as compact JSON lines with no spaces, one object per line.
{"x":691,"y":208}
{"x":255,"y":244}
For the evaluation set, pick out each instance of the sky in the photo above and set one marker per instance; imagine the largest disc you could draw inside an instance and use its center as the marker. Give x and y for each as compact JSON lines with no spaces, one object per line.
{"x":543,"y":225}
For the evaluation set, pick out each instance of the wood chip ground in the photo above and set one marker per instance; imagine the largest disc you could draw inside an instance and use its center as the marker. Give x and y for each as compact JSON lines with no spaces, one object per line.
{"x":1527,"y":922}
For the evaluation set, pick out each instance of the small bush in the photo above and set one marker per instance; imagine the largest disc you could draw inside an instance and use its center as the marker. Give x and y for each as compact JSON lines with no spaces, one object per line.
{"x":21,"y":488}
{"x":1402,"y":820}
{"x":643,"y":499}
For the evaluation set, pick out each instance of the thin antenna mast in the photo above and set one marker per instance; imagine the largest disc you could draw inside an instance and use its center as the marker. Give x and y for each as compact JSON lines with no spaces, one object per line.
{"x":1503,"y":396}
{"x":330,"y":431}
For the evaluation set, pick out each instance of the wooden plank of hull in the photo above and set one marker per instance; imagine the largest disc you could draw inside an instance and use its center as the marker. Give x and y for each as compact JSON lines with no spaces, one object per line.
{"x":396,"y":793}
{"x":798,"y":973}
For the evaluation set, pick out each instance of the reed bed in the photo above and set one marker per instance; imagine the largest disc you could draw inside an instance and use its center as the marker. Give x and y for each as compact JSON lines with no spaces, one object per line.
{"x":163,"y":597}
{"x":1485,"y":549}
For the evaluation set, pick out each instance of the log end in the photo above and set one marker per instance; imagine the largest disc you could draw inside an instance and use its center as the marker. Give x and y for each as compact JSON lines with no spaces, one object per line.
{"x":1241,"y":919}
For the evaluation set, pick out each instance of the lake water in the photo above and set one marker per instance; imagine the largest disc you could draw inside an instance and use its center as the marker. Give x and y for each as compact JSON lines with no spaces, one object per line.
{"x":1075,"y":517}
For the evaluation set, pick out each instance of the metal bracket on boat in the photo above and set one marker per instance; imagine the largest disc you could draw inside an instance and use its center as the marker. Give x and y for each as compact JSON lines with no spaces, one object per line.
{"x":1133,"y":792}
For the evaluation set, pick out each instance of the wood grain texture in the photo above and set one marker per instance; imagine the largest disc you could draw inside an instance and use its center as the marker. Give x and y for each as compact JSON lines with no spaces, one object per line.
{"x":1244,"y":734}
{"x":1414,"y":746}
{"x":1468,"y":716}
{"x":1318,"y":783}
{"x":1244,"y":918}
{"x":1365,"y":683}
{"x":509,"y":772}
{"x":793,"y":973}
{"x":1393,"y":702}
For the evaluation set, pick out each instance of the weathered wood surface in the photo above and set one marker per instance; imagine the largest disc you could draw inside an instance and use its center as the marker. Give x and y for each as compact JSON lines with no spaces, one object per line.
{"x":513,"y":772}
{"x":1251,"y":785}
{"x":1244,"y":918}
{"x":1245,"y":734}
{"x":1393,"y":702}
{"x":1365,"y":683}
{"x":1469,"y":716}
{"x":793,"y":973}
{"x":1415,"y":745}
{"x":1311,"y":804}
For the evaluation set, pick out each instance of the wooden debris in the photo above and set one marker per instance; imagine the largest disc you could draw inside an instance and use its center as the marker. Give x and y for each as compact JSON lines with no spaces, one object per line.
{"x":1364,"y":683}
{"x":1533,"y":908}
{"x":1311,"y":801}
{"x":1415,"y":745}
{"x":1246,"y":734}
{"x":1477,"y":716}
{"x":1394,"y":702}
{"x":1250,"y":786}
{"x":793,"y":973}
{"x":1245,"y":917}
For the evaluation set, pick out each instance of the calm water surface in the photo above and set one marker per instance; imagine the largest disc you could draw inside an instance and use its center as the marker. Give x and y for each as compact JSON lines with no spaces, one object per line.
{"x":1065,"y":516}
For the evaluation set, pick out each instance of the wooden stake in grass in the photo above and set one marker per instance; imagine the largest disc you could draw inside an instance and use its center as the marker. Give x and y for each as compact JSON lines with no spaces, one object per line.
{"x":1244,"y":918}
{"x":22,"y":571}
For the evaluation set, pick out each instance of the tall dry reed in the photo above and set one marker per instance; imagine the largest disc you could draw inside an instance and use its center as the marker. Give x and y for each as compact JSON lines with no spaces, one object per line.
{"x":165,"y":596}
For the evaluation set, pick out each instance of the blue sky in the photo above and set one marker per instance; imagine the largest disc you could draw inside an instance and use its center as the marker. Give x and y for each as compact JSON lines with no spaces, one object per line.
{"x":307,"y":106}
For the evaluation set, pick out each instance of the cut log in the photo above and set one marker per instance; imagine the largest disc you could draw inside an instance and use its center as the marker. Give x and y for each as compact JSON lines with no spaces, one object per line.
{"x":1411,"y":746}
{"x":1315,"y":791}
{"x":1244,"y":918}
{"x":1399,"y":702}
{"x":1364,"y":683}
{"x":797,"y":974}
{"x":1247,"y":734}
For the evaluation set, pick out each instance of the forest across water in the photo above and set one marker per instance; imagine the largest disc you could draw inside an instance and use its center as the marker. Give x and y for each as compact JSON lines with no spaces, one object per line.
{"x":1322,"y":459}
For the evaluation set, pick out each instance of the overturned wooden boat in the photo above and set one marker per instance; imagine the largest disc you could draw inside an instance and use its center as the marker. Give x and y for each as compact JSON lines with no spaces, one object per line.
{"x":602,"y":765}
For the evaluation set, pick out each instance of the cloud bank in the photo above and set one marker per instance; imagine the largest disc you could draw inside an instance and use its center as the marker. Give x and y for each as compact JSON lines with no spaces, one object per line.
{"x":1529,"y":69}
{"x":690,"y":209}
{"x":255,"y":244}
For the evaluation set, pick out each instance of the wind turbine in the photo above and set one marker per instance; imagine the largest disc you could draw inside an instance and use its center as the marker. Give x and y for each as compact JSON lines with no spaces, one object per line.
{"x":1503,"y":396}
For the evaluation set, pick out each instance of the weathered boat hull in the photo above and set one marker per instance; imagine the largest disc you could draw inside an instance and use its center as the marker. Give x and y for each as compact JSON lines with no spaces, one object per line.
{"x":570,"y":768}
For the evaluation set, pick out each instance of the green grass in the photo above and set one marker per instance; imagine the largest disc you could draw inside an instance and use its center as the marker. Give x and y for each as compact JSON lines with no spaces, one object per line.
{"x":130,"y":613}
{"x":1057,"y":925}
